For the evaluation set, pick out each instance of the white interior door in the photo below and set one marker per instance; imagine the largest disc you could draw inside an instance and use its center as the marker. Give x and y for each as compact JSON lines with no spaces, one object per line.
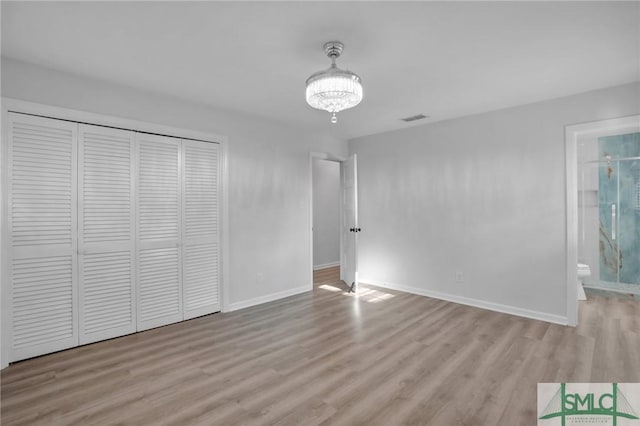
{"x":106,"y":237}
{"x":42,"y":238}
{"x":200,"y":236}
{"x":159,"y":271}
{"x":108,"y":232}
{"x":349,"y":246}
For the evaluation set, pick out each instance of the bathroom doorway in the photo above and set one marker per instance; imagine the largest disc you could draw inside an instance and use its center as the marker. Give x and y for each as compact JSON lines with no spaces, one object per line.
{"x":602,"y":189}
{"x":609,"y":211}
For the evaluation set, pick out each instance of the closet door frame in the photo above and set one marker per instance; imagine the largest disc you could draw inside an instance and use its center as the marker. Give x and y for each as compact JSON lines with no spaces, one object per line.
{"x":25,"y":107}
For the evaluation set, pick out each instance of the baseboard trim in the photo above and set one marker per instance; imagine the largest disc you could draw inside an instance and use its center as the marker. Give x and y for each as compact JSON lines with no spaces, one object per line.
{"x":483,"y":304}
{"x":326,"y":265}
{"x":268,"y":298}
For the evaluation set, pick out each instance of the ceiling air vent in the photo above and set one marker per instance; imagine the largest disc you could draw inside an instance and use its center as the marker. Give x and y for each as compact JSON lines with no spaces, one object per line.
{"x":414,"y":118}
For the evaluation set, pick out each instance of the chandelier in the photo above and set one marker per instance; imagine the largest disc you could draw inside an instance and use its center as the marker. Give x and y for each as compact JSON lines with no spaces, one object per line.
{"x":334,"y":89}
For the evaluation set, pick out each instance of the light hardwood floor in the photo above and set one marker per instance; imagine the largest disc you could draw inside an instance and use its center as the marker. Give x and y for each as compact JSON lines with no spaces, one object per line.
{"x":325,"y":357}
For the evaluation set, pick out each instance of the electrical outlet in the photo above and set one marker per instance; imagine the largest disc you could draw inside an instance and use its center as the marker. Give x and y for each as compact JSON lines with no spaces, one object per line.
{"x":459,"y":276}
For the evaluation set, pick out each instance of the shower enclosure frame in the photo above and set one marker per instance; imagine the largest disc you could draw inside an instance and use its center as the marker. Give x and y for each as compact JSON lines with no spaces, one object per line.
{"x":573,"y":134}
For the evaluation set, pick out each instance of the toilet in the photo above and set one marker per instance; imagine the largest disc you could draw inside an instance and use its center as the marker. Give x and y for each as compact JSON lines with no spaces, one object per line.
{"x":583,"y":272}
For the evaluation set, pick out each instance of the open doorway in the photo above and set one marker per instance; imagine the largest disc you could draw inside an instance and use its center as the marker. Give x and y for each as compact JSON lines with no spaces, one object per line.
{"x":603,"y":209}
{"x":326,"y":229}
{"x":334,"y":219}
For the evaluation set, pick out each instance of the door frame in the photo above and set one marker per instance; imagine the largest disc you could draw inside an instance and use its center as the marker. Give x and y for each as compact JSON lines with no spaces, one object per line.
{"x":573,"y":133}
{"x":25,"y":107}
{"x":328,"y":157}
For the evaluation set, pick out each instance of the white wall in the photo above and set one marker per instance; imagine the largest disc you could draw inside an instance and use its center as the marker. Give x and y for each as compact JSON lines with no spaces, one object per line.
{"x":269,"y":199}
{"x":484,"y":195}
{"x":326,"y":213}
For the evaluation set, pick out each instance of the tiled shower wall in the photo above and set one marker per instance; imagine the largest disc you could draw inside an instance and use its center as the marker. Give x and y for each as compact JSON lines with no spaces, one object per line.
{"x":619,"y":184}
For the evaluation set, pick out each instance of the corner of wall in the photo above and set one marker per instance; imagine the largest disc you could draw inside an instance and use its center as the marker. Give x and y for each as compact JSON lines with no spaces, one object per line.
{"x":268,"y":298}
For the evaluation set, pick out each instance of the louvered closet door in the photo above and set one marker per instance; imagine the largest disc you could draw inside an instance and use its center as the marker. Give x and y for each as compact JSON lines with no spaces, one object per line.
{"x":42,"y":235}
{"x":159,"y":214}
{"x":106,"y":233}
{"x":200,"y":229}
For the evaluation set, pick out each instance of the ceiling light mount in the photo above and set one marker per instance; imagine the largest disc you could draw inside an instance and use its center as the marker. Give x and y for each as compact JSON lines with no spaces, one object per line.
{"x":333,"y":89}
{"x":333,"y":49}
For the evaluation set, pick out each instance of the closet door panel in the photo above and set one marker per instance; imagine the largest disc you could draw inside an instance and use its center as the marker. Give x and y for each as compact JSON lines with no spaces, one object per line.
{"x":42,"y":245}
{"x":107,"y":234}
{"x":201,"y":228}
{"x":158,"y":230}
{"x":201,"y":293}
{"x":159,"y":287}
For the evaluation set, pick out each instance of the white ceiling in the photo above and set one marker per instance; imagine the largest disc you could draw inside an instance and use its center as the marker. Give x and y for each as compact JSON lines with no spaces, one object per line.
{"x":443,"y":59}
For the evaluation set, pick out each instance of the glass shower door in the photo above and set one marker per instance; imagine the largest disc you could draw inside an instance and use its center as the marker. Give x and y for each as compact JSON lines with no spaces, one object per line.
{"x":610,"y":204}
{"x":610,"y":256}
{"x":628,"y":222}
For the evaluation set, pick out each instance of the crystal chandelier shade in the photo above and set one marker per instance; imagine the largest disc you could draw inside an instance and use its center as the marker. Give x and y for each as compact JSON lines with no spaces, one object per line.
{"x":333,"y":89}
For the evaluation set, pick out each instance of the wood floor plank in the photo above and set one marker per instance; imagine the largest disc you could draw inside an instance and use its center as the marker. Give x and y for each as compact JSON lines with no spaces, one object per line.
{"x":328,"y":358}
